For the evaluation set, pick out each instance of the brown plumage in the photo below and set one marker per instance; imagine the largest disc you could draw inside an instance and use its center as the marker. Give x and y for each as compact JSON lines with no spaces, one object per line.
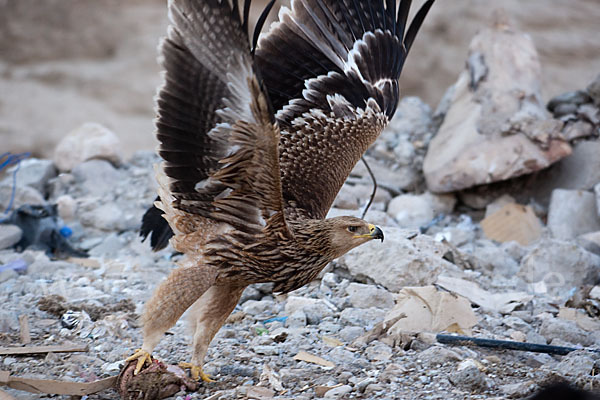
{"x":257,"y":143}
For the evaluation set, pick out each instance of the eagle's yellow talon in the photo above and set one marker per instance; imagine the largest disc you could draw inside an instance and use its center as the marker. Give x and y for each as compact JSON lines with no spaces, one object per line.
{"x":142,"y":357}
{"x":196,"y":372}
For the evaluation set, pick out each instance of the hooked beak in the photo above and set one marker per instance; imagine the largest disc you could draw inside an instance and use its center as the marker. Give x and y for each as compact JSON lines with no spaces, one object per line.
{"x":374,"y":233}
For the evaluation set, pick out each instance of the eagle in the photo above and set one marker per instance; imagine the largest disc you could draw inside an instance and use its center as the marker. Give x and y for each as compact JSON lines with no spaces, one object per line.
{"x":257,"y":137}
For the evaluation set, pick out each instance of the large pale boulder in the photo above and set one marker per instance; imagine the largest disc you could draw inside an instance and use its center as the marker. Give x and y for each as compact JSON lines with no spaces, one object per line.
{"x":403,"y":259}
{"x":496,"y":126}
{"x":87,"y":142}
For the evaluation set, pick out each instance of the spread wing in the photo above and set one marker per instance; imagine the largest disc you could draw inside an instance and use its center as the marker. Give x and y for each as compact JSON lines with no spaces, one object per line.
{"x":331,"y":70}
{"x":218,"y":137}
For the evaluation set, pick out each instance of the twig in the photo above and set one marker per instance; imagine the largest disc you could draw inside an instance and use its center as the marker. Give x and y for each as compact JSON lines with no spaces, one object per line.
{"x":507,"y":344}
{"x":374,"y":188}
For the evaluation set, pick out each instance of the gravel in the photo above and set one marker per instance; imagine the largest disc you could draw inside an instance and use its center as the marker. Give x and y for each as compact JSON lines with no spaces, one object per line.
{"x":96,"y":302}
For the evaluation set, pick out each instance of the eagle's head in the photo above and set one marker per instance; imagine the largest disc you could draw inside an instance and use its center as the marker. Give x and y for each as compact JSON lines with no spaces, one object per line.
{"x":337,"y":236}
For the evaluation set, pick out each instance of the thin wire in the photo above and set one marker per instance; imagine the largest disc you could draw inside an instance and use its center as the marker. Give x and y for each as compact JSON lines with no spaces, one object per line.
{"x":374,"y":188}
{"x":12,"y":159}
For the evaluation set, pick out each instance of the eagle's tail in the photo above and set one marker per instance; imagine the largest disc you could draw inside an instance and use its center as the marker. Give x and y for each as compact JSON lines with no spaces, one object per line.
{"x":155,"y":226}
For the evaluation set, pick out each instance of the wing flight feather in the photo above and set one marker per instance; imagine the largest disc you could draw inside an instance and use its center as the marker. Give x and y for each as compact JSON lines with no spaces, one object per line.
{"x":331,"y":69}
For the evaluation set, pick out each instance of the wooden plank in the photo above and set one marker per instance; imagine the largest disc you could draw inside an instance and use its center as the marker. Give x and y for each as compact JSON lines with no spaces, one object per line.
{"x":67,"y":348}
{"x":48,"y":386}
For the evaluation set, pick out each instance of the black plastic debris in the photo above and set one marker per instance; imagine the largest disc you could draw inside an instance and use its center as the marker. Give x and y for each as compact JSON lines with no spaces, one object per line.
{"x":43,"y":231}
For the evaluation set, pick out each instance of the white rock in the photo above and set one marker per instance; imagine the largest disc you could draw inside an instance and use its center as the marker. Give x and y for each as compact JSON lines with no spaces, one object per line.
{"x":415,"y":210}
{"x":314,"y":309}
{"x":577,"y":364}
{"x":338,"y":392}
{"x":468,"y":376}
{"x":396,"y":179}
{"x":365,"y":296}
{"x":23,"y":195}
{"x":9,"y":236}
{"x":560,"y":266}
{"x":67,"y":207}
{"x":572,"y":213}
{"x":568,"y":331}
{"x":579,"y":171}
{"x":32,"y":172}
{"x":363,"y":317}
{"x":90,"y":140}
{"x":256,"y":307}
{"x":97,"y":176}
{"x":296,"y":320}
{"x":107,"y":217}
{"x":398,"y":261}
{"x":497,"y":126}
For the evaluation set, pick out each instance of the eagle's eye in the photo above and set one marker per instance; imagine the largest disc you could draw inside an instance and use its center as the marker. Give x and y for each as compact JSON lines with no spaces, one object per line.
{"x":352,"y":228}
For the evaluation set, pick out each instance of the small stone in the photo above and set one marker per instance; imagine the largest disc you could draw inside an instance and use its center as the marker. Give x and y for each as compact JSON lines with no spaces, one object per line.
{"x":364,"y":317}
{"x":23,"y":195}
{"x":260,"y":393}
{"x":257,"y":307}
{"x":579,"y":171}
{"x":8,"y":361}
{"x":468,"y":377}
{"x":107,"y":217}
{"x":338,"y":392}
{"x":34,"y":173}
{"x":577,"y":98}
{"x":89,"y":141}
{"x":412,"y":211}
{"x":589,"y":113}
{"x":374,"y":388}
{"x":350,"y":333}
{"x":296,"y":320}
{"x":266,"y":350}
{"x":437,"y":355}
{"x":576,"y":365}
{"x":365,"y":296}
{"x":578,"y":129}
{"x":362,"y":385}
{"x":572,"y":213}
{"x":560,"y":265}
{"x":98,"y":177}
{"x":378,"y":352}
{"x":9,"y":236}
{"x":314,"y":309}
{"x":590,"y":241}
{"x":556,"y":328}
{"x":595,"y":293}
{"x":518,"y":390}
{"x":340,"y":356}
{"x":109,"y":247}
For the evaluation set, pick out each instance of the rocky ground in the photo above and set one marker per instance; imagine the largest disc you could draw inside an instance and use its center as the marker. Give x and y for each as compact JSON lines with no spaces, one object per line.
{"x":490,"y":208}
{"x":437,"y":269}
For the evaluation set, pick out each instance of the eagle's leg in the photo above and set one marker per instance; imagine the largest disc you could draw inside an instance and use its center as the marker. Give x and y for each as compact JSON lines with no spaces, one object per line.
{"x":172,"y":297}
{"x":207,"y":315}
